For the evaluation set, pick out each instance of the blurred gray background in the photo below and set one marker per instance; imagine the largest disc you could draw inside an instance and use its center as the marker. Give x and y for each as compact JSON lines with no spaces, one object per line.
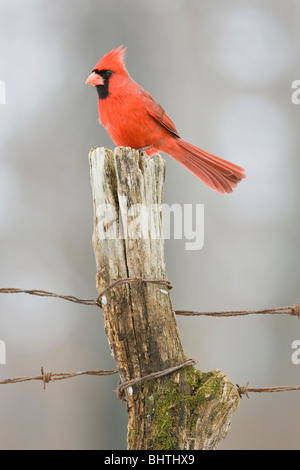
{"x":223,"y":71}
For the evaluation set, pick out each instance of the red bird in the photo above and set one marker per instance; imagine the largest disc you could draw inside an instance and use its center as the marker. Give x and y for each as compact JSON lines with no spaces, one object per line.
{"x":134,"y":119}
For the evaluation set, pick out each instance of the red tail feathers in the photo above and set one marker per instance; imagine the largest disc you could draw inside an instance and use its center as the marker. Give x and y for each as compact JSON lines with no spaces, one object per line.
{"x":217,"y":173}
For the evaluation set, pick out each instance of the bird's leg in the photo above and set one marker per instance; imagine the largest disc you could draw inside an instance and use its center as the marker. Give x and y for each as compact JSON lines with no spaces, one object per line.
{"x":142,"y":149}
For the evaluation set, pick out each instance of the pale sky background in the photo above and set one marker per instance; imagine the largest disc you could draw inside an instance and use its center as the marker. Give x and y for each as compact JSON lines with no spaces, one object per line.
{"x":223,"y":70}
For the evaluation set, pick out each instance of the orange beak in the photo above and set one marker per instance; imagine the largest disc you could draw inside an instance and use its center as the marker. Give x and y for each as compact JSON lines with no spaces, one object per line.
{"x":95,"y":79}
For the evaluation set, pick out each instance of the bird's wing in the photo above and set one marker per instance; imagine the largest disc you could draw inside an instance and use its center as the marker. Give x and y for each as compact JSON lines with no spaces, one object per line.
{"x":159,"y":114}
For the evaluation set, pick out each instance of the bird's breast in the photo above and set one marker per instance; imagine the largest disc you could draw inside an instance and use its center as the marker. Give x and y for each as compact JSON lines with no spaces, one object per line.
{"x":128,"y":122}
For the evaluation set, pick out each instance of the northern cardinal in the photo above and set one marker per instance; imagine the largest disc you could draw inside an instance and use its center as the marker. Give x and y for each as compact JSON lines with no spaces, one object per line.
{"x":134,"y":119}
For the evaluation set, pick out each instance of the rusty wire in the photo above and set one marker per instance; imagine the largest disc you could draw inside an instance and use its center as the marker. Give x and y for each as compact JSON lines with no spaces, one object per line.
{"x":245,"y":389}
{"x":293,"y":310}
{"x":47,"y":377}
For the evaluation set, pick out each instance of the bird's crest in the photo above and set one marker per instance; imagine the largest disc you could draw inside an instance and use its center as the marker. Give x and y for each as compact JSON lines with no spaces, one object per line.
{"x":113,"y":60}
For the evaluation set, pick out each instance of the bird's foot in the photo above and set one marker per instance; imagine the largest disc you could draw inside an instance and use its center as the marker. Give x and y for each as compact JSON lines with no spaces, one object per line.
{"x":142,"y":149}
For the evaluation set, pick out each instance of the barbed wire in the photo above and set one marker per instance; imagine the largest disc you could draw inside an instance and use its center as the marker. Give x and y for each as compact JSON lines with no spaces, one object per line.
{"x":71,"y":298}
{"x":43,"y":293}
{"x":154,"y":375}
{"x":47,"y":377}
{"x":293,"y":310}
{"x":245,"y":389}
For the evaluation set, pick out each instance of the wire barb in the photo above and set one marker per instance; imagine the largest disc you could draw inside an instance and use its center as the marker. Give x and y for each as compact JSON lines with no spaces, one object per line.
{"x":47,"y":377}
{"x":245,"y":390}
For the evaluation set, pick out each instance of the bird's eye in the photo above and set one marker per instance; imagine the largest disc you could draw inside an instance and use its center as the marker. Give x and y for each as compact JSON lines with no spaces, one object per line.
{"x":107,"y":73}
{"x":104,"y":73}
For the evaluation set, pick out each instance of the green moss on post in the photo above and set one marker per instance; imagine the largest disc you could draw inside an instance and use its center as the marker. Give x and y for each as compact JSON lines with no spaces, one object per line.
{"x":191,"y":403}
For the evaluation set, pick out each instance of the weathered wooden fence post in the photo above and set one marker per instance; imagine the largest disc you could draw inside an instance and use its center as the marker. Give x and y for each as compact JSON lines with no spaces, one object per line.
{"x":186,"y":409}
